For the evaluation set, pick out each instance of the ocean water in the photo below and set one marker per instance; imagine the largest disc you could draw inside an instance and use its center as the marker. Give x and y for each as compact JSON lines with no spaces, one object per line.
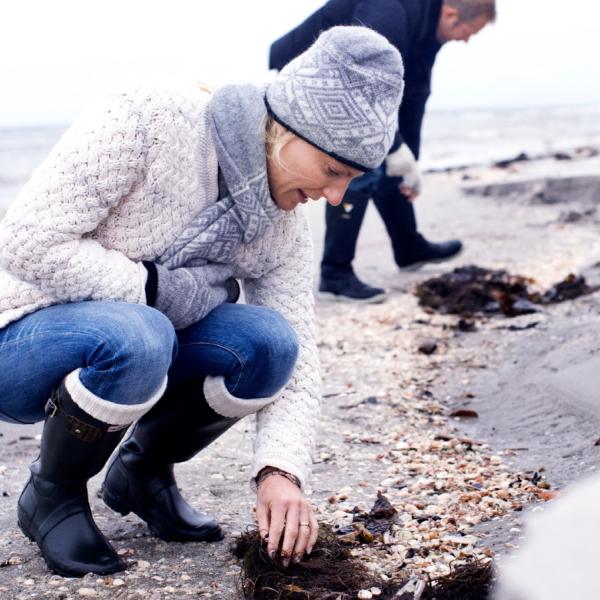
{"x":479,"y":137}
{"x":450,"y":139}
{"x":21,"y":151}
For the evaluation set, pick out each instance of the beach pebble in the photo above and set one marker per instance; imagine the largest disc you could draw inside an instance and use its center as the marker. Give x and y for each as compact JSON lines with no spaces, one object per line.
{"x":388,"y":482}
{"x":428,"y":347}
{"x":463,"y":540}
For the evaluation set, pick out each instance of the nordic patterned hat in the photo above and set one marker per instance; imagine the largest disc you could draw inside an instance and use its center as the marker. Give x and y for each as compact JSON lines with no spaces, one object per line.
{"x":342,"y":95}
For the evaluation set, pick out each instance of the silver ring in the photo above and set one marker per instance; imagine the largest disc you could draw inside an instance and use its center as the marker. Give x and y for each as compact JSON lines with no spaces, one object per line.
{"x":304,"y":524}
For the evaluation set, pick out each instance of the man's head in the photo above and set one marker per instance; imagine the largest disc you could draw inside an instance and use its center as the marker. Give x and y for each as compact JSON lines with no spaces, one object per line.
{"x":460,"y":19}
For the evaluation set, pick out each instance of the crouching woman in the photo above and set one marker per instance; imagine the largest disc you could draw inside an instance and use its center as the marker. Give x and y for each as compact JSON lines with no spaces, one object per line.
{"x":119,"y":264}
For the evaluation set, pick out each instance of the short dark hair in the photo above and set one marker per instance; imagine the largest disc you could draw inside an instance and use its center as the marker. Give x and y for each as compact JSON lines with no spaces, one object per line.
{"x":469,"y":10}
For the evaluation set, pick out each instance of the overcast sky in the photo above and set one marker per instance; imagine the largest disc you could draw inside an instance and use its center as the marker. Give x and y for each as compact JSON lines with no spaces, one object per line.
{"x":56,"y":55}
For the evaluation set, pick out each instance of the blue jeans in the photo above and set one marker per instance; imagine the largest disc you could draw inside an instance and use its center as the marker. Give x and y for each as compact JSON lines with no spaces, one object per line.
{"x":125,"y":351}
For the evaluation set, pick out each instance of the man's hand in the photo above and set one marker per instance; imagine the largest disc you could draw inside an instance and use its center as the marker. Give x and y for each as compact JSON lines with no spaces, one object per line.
{"x":402,"y":163}
{"x":283,"y":511}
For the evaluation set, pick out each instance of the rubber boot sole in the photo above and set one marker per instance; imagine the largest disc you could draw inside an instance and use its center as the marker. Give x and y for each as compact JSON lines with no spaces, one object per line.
{"x":114,"y":504}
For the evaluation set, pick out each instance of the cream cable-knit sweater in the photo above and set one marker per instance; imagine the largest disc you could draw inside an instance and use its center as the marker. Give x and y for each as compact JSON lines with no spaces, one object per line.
{"x":118,"y":188}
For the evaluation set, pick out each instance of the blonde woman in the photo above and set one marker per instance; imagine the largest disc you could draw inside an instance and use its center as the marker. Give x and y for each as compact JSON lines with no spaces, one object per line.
{"x":118,"y":282}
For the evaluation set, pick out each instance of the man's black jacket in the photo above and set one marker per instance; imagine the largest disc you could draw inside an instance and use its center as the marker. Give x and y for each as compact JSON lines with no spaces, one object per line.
{"x":410,"y":25}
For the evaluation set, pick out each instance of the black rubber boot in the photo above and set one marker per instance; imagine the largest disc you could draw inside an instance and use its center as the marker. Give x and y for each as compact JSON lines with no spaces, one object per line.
{"x":53,"y":509}
{"x":140,"y":479}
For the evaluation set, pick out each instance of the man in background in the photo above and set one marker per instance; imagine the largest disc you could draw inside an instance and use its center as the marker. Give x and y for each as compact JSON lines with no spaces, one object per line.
{"x":418,"y":28}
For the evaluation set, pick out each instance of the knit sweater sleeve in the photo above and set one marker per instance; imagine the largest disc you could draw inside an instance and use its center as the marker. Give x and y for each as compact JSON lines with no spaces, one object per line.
{"x":44,"y":237}
{"x":286,"y":429}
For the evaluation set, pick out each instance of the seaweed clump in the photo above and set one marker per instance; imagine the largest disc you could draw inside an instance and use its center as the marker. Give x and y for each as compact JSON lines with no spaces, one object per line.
{"x":472,"y":290}
{"x":472,"y":580}
{"x":369,"y":527}
{"x":330,"y":573}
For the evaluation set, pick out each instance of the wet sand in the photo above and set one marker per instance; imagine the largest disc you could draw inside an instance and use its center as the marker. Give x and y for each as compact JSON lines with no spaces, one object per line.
{"x":533,"y":389}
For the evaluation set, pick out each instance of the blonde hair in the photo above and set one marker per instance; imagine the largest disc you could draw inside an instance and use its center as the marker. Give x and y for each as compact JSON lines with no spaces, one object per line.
{"x":276,"y":138}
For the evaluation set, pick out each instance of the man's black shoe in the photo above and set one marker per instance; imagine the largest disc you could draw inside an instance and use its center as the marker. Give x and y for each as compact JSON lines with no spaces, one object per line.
{"x":347,"y":287}
{"x":429,"y":252}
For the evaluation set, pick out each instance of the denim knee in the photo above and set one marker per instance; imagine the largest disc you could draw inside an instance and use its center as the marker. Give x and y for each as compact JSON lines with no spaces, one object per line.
{"x":271,"y":360}
{"x":135,"y":351}
{"x":148,"y":342}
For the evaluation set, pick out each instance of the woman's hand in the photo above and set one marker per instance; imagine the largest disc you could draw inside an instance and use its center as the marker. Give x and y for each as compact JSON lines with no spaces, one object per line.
{"x":187,"y":294}
{"x":282,"y":510}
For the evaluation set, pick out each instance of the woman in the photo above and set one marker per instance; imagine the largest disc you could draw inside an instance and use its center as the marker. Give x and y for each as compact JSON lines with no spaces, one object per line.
{"x":117,"y":293}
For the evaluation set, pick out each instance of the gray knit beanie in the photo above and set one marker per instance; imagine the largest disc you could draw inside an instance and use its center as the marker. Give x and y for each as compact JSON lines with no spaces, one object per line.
{"x":342,"y":95}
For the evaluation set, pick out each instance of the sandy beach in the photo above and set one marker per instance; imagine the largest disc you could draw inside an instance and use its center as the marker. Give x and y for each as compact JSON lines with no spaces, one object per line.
{"x":529,"y":381}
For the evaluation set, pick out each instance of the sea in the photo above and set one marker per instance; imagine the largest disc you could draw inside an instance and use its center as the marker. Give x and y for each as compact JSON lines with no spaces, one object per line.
{"x":451,"y":138}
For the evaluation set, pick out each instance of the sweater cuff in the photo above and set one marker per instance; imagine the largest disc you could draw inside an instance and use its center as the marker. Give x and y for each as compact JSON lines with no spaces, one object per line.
{"x":104,"y":410}
{"x":151,"y":282}
{"x":226,"y":404}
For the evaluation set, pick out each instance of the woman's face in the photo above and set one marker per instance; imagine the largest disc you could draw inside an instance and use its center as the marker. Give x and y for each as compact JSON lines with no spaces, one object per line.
{"x":304,"y":173}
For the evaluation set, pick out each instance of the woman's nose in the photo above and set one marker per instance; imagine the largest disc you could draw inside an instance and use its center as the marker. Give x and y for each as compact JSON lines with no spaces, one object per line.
{"x":334,"y":194}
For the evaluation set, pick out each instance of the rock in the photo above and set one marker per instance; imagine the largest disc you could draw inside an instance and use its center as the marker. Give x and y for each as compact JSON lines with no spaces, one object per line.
{"x":509,"y":162}
{"x":428,"y":347}
{"x":464,"y":413}
{"x":466,"y":326}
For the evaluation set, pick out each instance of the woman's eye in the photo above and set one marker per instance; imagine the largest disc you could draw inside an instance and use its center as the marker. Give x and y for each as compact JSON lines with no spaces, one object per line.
{"x":332,"y":173}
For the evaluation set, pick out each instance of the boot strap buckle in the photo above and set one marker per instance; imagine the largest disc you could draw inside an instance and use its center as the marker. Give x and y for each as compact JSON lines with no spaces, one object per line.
{"x":83,"y":431}
{"x":50,"y":408}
